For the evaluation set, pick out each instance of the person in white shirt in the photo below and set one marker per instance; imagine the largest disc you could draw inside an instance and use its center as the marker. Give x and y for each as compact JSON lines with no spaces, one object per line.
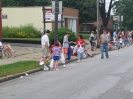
{"x":92,"y":40}
{"x":45,"y":47}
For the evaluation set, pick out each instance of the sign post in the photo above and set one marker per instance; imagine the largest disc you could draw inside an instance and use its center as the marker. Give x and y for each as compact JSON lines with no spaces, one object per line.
{"x":56,"y":20}
{"x":98,"y":34}
{"x":43,"y":19}
{"x":118,"y":21}
{"x":56,"y":9}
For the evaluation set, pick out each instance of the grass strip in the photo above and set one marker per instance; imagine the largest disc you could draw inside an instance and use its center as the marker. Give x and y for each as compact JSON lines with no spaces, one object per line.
{"x":18,"y":67}
{"x":86,"y":36}
{"x":29,"y":39}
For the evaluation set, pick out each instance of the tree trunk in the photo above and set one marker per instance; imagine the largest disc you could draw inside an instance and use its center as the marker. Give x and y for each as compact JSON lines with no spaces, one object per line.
{"x":105,"y":16}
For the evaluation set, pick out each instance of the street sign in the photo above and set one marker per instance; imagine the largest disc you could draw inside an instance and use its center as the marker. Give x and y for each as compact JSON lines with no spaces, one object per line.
{"x":49,"y":17}
{"x":115,"y":26}
{"x":115,"y":18}
{"x":118,"y":18}
{"x":4,"y":16}
{"x":60,"y":7}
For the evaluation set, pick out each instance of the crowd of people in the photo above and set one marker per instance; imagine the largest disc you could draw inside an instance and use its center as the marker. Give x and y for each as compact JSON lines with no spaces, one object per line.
{"x":107,"y":42}
{"x":59,"y":52}
{"x":79,"y":50}
{"x":120,"y":39}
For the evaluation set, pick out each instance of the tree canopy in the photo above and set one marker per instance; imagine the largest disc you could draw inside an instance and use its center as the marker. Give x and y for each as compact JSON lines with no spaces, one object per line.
{"x":105,"y":15}
{"x":125,"y":8}
{"x":87,"y":9}
{"x":8,"y":3}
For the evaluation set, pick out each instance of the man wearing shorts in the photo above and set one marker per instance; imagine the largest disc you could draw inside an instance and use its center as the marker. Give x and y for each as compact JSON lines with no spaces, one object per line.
{"x":65,"y":44}
{"x":45,"y":47}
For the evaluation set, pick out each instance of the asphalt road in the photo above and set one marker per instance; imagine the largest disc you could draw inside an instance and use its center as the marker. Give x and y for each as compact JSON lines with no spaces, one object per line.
{"x":91,"y":79}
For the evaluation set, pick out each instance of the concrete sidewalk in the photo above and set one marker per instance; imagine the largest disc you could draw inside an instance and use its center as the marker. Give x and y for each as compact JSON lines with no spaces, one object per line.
{"x":26,"y":52}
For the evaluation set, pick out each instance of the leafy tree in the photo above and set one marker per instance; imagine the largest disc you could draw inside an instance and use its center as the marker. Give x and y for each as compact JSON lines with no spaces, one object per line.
{"x":7,"y":3}
{"x":125,"y":8}
{"x":105,"y":15}
{"x":87,"y":9}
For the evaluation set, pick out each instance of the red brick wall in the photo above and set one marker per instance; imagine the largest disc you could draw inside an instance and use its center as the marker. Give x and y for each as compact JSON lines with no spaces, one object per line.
{"x":109,"y":23}
{"x":70,"y":12}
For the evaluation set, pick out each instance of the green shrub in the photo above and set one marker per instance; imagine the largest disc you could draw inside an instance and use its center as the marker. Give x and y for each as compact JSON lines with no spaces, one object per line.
{"x":123,"y":28}
{"x":61,"y":34}
{"x":26,"y":31}
{"x":81,"y":32}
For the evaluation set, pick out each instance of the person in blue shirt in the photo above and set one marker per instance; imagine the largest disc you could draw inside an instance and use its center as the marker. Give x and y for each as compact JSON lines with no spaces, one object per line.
{"x":115,"y":36}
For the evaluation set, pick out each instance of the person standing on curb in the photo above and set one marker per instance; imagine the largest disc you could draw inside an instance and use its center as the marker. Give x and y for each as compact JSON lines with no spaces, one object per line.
{"x":65,"y":45}
{"x":45,"y":48}
{"x":92,"y":40}
{"x":115,"y":36}
{"x":103,"y":42}
{"x":56,"y":55}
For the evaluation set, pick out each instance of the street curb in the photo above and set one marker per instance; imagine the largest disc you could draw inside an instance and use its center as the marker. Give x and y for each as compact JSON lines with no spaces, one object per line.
{"x":3,"y":79}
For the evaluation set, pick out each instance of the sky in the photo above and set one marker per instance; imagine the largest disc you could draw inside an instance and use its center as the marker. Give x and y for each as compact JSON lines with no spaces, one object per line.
{"x":107,"y":5}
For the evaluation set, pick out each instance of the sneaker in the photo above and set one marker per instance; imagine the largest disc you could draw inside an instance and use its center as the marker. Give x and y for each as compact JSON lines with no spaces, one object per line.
{"x":78,"y":61}
{"x":4,"y":57}
{"x":92,"y":55}
{"x":101,"y":57}
{"x":57,"y":68}
{"x":82,"y":60}
{"x":64,"y":66}
{"x":45,"y":68}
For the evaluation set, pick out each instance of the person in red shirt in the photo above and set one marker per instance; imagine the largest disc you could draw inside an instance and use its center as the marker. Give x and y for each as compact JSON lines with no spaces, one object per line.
{"x":80,"y":43}
{"x":85,"y":53}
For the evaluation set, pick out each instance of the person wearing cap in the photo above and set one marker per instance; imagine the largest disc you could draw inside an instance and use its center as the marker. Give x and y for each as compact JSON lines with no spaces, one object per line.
{"x":45,"y":48}
{"x":103,"y":42}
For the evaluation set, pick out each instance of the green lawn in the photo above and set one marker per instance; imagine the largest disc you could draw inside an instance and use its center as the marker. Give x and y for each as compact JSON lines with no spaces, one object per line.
{"x":30,"y":39}
{"x":18,"y":67}
{"x":86,"y":36}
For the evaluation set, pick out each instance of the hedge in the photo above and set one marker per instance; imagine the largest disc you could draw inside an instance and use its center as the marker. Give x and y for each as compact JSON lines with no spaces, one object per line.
{"x":61,"y":34}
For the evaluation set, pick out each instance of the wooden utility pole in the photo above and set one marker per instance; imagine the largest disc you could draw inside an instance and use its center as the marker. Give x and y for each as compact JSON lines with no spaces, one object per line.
{"x":44,"y":30}
{"x":0,"y":20}
{"x":56,"y":20}
{"x":98,"y":34}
